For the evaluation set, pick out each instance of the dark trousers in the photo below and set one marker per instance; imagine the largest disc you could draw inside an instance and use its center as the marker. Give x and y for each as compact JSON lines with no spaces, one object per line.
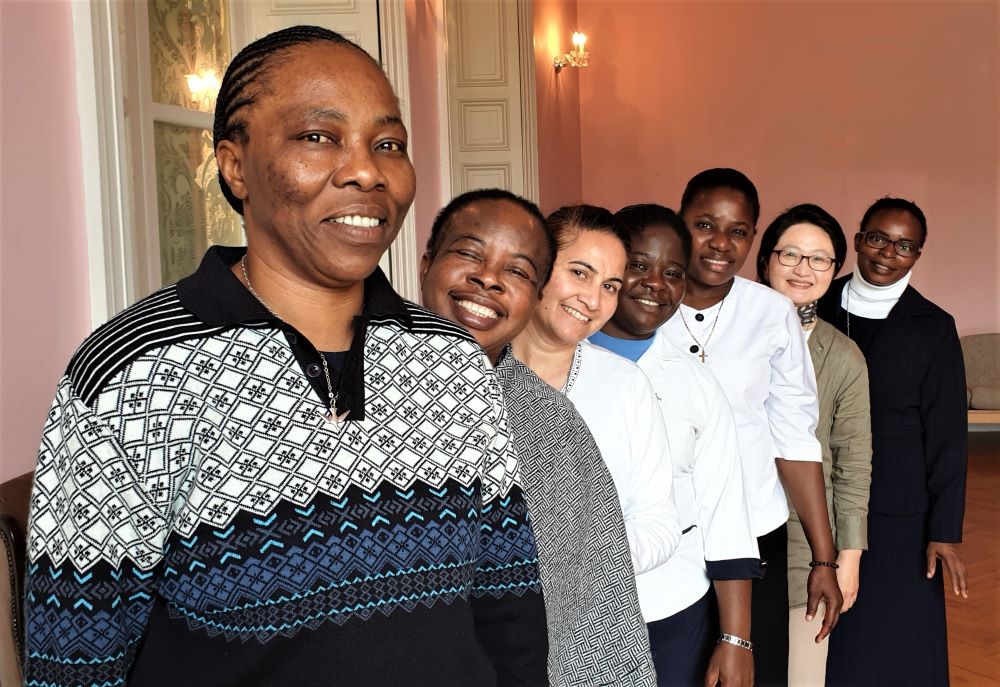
{"x":769,"y":611}
{"x":682,"y":645}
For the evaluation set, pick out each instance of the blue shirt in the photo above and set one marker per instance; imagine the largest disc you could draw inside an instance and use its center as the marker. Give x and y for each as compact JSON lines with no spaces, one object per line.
{"x":627,"y":348}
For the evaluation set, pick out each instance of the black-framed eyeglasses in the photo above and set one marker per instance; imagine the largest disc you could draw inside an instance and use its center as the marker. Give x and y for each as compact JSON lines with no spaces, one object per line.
{"x":791,"y":258}
{"x":904,"y":248}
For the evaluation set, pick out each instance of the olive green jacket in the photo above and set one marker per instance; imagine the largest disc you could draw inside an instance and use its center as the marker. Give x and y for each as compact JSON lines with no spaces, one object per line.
{"x":844,"y":431}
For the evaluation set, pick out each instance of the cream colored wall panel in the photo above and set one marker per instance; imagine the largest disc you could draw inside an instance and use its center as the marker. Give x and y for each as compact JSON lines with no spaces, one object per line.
{"x":485,"y":125}
{"x":356,"y":20}
{"x":486,"y":176}
{"x":313,"y":7}
{"x":482,"y":43}
{"x":485,"y":101}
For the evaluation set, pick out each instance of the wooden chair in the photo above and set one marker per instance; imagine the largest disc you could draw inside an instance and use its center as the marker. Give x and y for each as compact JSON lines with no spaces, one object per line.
{"x":15,"y":495}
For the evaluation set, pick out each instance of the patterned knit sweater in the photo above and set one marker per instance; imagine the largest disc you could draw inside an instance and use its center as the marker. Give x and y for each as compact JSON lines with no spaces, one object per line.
{"x":196,"y":521}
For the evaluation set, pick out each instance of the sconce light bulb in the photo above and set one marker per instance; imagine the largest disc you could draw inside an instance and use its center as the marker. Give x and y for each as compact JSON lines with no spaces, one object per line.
{"x":579,"y":39}
{"x":204,"y":84}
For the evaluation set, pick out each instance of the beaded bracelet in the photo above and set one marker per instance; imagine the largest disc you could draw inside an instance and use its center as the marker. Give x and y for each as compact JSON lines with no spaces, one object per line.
{"x":825,"y":564}
{"x":737,"y":641}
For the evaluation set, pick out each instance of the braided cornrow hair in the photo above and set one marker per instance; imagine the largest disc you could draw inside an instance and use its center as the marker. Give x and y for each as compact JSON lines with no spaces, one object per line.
{"x":245,"y":71}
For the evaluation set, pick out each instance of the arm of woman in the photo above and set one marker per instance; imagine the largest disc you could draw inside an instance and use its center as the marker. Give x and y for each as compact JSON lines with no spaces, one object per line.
{"x":648,"y":507}
{"x":730,"y":664}
{"x":945,"y":422}
{"x":731,"y":555}
{"x":792,"y":410}
{"x":803,"y":481}
{"x":851,"y":448}
{"x":849,"y":576}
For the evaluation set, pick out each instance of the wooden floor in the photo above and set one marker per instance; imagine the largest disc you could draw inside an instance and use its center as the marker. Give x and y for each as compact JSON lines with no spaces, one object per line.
{"x":974,"y":624}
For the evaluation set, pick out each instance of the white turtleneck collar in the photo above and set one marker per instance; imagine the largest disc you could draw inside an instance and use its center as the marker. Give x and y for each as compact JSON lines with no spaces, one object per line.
{"x":865,"y":299}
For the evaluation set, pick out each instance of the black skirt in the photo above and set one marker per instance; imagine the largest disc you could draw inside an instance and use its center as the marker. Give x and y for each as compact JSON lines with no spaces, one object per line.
{"x":895,"y":634}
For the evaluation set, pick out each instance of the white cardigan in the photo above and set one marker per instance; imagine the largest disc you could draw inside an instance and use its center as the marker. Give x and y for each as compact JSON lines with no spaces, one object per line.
{"x":616,"y":401}
{"x":718,"y":541}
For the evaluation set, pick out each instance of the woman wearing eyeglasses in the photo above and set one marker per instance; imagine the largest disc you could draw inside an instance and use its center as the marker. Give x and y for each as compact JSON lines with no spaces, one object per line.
{"x":800,"y":254}
{"x":896,"y":634}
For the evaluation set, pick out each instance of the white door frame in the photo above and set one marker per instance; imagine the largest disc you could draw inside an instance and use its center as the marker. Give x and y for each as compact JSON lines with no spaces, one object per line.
{"x":117,"y":256}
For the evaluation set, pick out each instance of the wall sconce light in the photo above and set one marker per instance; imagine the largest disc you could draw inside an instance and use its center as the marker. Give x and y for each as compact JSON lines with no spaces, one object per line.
{"x":203,"y":86}
{"x":577,"y":57}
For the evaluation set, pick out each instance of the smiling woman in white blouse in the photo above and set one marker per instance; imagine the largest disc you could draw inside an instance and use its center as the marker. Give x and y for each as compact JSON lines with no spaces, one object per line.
{"x":612,"y":394}
{"x":750,"y":337}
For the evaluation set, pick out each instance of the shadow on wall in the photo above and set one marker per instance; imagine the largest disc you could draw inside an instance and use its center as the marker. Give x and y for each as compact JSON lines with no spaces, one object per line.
{"x":618,"y":146}
{"x":558,"y":106}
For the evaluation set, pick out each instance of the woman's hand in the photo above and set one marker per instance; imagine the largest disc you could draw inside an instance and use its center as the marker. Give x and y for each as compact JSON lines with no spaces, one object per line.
{"x":731,"y":665}
{"x":948,"y":554}
{"x":822,"y":586}
{"x":847,"y":576}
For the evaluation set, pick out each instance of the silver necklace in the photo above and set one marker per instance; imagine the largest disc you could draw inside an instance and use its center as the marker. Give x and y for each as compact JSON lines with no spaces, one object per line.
{"x":331,"y":415}
{"x":704,"y":353}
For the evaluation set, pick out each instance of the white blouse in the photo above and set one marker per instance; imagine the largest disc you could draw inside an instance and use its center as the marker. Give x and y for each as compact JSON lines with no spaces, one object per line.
{"x":758,"y":354}
{"x":616,"y":401}
{"x":718,"y":541}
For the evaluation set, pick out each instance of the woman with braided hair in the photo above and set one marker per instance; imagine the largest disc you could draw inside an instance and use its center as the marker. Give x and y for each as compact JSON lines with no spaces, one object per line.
{"x":277,"y":471}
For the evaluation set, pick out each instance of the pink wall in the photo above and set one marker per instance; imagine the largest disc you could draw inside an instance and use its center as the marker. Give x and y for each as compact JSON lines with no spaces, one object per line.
{"x":423,"y":35}
{"x":44,"y":304}
{"x":830,"y":102}
{"x":560,"y":177}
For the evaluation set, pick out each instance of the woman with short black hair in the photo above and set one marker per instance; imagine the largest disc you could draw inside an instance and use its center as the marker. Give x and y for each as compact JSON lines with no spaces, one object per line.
{"x":896,"y":633}
{"x":751,"y":339}
{"x":693,"y":641}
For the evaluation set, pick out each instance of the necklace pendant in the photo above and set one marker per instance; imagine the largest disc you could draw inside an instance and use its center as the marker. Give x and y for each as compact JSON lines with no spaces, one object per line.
{"x":703,"y":355}
{"x":333,"y":417}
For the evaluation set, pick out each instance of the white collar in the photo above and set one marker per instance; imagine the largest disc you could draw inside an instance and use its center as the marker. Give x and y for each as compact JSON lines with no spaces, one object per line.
{"x":865,"y":299}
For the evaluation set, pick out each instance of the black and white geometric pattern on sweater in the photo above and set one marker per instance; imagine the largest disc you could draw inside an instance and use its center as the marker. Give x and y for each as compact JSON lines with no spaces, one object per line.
{"x":227,"y":421}
{"x":596,"y":632}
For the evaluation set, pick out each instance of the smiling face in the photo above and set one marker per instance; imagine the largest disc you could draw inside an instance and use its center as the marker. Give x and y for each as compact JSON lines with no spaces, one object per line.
{"x":582,"y":294}
{"x":485,"y":275}
{"x":802,"y":284}
{"x":323,"y":173}
{"x":883,"y":266}
{"x":722,"y":229}
{"x":653,"y":286}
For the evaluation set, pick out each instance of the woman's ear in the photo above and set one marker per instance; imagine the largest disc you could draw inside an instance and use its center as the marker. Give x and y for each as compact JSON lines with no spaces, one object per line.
{"x":229,"y":158}
{"x":425,"y":265}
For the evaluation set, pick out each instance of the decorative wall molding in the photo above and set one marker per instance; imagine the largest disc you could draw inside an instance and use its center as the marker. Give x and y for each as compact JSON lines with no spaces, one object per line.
{"x":492,"y":136}
{"x":482,"y":44}
{"x":296,"y":7}
{"x":487,"y":175}
{"x":529,"y":107}
{"x":485,"y":125}
{"x":106,"y":179}
{"x":404,"y":255}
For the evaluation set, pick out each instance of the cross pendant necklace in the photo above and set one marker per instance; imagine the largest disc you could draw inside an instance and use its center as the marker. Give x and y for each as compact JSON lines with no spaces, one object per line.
{"x":699,"y":346}
{"x":331,"y":415}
